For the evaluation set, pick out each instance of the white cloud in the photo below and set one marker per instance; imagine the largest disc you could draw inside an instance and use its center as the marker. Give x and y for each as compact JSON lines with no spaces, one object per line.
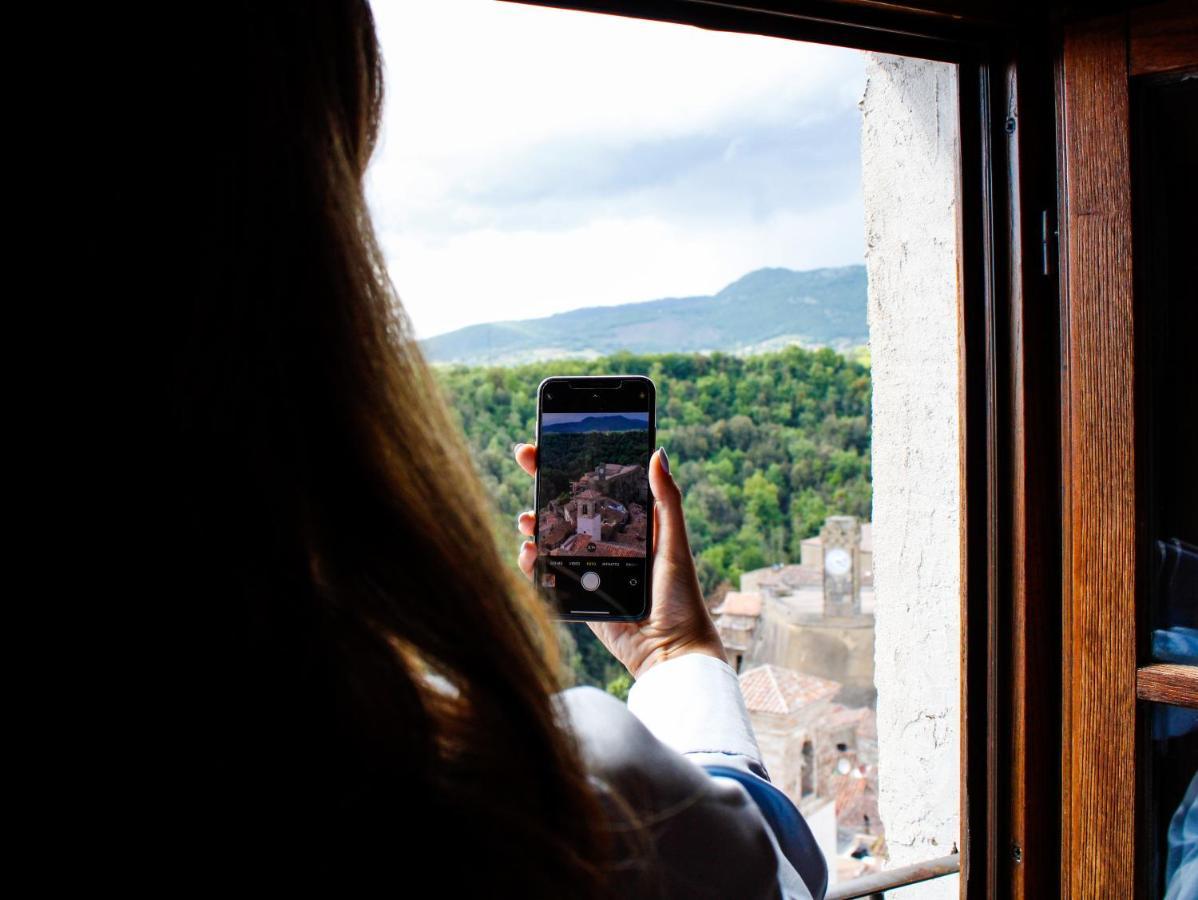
{"x":536,"y":160}
{"x":485,"y":275}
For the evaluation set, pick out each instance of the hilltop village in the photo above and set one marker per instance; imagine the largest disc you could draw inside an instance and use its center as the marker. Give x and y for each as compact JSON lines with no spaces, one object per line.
{"x":605,"y":515}
{"x":801,"y":637}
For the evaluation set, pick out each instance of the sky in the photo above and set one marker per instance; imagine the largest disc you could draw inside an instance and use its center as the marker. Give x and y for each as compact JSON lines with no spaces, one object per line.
{"x":536,"y":160}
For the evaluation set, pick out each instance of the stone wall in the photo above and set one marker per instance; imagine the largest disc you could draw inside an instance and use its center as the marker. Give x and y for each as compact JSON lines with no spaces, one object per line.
{"x":780,"y":739}
{"x":836,"y":649}
{"x":910,"y":162}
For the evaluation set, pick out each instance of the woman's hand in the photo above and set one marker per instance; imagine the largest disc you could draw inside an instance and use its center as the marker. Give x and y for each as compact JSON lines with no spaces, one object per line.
{"x":679,"y":622}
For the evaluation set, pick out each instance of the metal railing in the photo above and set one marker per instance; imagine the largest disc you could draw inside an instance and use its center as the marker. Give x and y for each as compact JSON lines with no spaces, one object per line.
{"x":876,"y":884}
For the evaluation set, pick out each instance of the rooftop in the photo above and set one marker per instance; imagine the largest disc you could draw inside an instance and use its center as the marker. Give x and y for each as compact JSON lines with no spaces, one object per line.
{"x":773,"y":689}
{"x":740,"y":603}
{"x":554,"y":530}
{"x":857,"y":797}
{"x":788,"y":577}
{"x":611,"y":470}
{"x":861,"y":719}
{"x":867,"y":538}
{"x":577,"y":544}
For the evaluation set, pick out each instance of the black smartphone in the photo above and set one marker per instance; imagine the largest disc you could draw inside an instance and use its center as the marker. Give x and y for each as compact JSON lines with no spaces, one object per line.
{"x":594,"y":508}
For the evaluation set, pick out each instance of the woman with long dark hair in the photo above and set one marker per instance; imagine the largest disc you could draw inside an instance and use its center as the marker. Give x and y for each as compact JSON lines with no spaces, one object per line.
{"x":383,"y":697}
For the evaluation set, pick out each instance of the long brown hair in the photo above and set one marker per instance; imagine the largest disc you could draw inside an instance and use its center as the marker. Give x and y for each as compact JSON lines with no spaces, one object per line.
{"x":381,"y":698}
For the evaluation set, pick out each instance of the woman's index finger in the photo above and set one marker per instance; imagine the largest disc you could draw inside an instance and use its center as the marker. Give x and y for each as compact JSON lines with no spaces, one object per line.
{"x":526,"y":456}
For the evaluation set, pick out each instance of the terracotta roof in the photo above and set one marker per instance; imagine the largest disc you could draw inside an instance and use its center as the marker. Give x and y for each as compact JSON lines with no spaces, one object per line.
{"x":576,"y":545}
{"x":840,"y":716}
{"x":637,"y":525}
{"x":554,"y":531}
{"x":773,"y":689}
{"x":740,"y":603}
{"x":790,"y":576}
{"x":856,"y":798}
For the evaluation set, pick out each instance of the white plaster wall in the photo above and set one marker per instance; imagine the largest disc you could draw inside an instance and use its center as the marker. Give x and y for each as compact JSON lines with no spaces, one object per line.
{"x":909,"y":171}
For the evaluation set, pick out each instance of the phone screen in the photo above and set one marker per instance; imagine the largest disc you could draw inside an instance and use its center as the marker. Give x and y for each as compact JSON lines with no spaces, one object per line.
{"x":594,"y":509}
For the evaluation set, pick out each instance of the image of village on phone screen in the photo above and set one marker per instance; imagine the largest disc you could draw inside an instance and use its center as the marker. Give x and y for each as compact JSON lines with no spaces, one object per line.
{"x":593,"y":510}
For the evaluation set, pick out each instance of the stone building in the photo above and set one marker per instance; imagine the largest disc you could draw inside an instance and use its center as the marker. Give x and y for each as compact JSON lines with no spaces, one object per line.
{"x":785,"y":708}
{"x":593,"y":523}
{"x":824,"y":756}
{"x":554,"y":528}
{"x":816,"y":616}
{"x":628,"y":484}
{"x":589,"y":515}
{"x":736,"y":619}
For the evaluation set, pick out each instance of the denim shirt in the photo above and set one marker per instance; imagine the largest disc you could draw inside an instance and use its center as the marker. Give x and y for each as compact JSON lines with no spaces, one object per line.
{"x":709,"y":838}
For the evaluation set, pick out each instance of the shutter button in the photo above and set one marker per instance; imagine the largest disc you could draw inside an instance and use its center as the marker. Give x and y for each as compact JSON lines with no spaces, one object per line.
{"x":590,"y":581}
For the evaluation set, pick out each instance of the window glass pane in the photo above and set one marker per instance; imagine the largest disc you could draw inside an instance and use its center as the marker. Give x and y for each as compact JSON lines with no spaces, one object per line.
{"x":1173,"y":802}
{"x":1175,"y":602}
{"x":1165,"y":190}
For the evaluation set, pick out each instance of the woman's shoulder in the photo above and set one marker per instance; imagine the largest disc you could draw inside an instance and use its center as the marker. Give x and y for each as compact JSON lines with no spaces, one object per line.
{"x":708,"y":836}
{"x":616,"y":744}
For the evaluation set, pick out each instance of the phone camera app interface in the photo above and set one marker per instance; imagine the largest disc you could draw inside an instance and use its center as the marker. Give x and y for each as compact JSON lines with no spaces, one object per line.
{"x":593,"y":510}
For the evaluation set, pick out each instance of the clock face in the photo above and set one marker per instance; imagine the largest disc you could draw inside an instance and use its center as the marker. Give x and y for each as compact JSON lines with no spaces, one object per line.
{"x":837,"y":561}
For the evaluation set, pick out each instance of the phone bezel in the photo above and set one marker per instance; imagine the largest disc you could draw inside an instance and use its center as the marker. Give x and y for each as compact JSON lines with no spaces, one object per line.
{"x":651,"y":389}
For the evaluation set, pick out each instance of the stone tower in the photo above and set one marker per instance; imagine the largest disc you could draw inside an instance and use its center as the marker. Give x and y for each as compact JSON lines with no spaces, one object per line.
{"x":589,"y":520}
{"x":841,"y":538}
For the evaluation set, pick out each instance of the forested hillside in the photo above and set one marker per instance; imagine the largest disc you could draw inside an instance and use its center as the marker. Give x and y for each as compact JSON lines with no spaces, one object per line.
{"x":764,"y":448}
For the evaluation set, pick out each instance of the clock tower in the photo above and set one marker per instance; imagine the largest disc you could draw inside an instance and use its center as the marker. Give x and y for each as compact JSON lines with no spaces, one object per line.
{"x":841,"y":541}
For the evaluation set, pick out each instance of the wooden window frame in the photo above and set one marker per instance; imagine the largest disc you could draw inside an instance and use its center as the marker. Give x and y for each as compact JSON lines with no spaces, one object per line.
{"x":1011,"y":675}
{"x":1099,"y":517}
{"x":1104,"y":592}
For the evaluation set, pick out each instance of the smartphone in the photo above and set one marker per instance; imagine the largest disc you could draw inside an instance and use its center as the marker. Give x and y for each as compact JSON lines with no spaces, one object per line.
{"x":594,"y":509}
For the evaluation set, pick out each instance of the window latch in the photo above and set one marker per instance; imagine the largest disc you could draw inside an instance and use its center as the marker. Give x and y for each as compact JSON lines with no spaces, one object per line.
{"x":1048,"y":237}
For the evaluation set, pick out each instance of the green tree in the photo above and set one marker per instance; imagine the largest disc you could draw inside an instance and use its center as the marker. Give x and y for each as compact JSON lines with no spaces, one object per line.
{"x":763,"y":447}
{"x":620,"y":685}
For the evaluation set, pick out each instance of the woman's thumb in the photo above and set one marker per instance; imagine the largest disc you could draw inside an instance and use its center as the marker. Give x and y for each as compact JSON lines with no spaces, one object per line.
{"x":670,"y":535}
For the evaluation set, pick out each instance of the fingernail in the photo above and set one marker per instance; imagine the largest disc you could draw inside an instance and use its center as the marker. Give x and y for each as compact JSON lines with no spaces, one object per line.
{"x":665,"y":459}
{"x":516,"y":445}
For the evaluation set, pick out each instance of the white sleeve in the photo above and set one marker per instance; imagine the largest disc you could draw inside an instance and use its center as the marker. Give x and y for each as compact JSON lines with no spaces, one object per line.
{"x":709,"y":839}
{"x":693,"y":704}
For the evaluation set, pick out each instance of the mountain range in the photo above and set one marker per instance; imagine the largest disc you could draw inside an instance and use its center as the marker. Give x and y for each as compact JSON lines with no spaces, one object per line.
{"x":764,"y":310}
{"x":596,"y":423}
